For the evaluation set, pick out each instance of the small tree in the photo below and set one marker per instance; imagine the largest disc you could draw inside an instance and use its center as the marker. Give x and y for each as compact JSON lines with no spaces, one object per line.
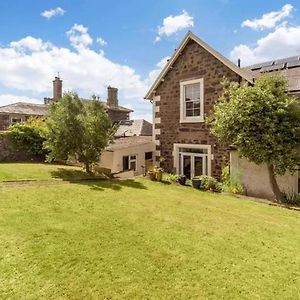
{"x":263,"y":122}
{"x":79,"y":129}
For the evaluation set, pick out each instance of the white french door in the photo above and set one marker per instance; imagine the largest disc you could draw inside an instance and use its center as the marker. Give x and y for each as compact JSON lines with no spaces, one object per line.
{"x":192,"y":164}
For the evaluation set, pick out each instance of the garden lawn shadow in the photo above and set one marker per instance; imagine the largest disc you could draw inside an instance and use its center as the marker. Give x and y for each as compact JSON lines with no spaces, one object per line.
{"x":113,"y":184}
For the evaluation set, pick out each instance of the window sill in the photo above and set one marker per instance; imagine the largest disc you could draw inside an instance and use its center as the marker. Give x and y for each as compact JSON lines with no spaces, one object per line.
{"x":192,"y":120}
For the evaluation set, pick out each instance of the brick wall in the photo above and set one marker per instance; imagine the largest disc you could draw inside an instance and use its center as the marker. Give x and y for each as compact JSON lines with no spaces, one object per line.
{"x":9,"y":152}
{"x":4,"y":122}
{"x":194,"y":62}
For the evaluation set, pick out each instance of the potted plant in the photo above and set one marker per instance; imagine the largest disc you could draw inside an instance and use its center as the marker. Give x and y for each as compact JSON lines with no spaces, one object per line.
{"x":182,"y":179}
{"x":159,"y":173}
{"x":152,"y":175}
{"x":196,"y":183}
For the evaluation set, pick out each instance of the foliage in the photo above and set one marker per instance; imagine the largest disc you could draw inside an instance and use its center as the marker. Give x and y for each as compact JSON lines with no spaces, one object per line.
{"x":79,"y":129}
{"x":30,"y":136}
{"x":262,"y":121}
{"x":171,"y":177}
{"x":231,"y":183}
{"x":209,"y":183}
{"x":291,"y":198}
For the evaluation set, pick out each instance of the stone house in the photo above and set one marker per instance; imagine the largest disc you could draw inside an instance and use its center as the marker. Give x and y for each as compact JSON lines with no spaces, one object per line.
{"x":184,"y":94}
{"x":19,"y":112}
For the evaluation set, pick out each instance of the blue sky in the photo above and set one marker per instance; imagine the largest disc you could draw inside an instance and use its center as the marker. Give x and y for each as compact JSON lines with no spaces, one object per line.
{"x":95,"y":43}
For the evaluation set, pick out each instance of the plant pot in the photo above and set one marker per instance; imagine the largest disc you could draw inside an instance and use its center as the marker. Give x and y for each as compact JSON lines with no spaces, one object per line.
{"x":152,"y":175}
{"x":159,"y":175}
{"x":182,"y":180}
{"x":196,"y":183}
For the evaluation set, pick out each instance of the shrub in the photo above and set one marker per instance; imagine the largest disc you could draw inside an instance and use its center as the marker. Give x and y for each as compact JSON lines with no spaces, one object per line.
{"x":231,"y":184}
{"x":171,"y":177}
{"x":209,"y":183}
{"x":30,"y":136}
{"x":291,"y":198}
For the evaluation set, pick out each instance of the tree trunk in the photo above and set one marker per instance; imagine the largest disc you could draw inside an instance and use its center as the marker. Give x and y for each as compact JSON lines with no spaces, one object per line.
{"x":274,"y":183}
{"x":87,"y":168}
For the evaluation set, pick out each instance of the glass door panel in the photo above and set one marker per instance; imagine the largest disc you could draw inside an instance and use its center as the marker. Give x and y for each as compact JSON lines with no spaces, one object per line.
{"x":186,"y":165}
{"x":198,"y":166}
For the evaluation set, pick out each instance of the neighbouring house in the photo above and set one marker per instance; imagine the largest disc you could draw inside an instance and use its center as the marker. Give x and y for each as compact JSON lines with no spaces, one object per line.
{"x":132,"y":150}
{"x":133,"y":153}
{"x":19,"y":112}
{"x":137,"y":127}
{"x":184,"y":94}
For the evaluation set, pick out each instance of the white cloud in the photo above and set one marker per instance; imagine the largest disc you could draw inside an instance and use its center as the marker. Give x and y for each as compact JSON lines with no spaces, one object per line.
{"x":6,"y":99}
{"x":58,"y":11}
{"x":173,"y":24}
{"x":283,"y":42}
{"x":159,"y":66}
{"x":79,"y":36}
{"x":269,"y":20}
{"x":27,"y":67}
{"x":101,"y":41}
{"x":30,"y":44}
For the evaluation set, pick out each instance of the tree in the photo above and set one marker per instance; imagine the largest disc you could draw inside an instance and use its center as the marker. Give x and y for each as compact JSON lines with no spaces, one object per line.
{"x":263,"y":122}
{"x":79,"y":129}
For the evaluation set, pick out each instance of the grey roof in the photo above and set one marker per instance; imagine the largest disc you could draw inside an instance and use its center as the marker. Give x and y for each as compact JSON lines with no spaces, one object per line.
{"x":128,"y":142}
{"x":25,"y":109}
{"x":134,"y":128}
{"x":289,"y":67}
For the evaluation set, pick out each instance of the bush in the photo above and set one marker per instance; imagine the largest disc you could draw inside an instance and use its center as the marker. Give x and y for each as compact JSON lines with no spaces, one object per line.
{"x":291,"y":198}
{"x":30,"y":136}
{"x":231,"y":184}
{"x":209,"y":183}
{"x":171,"y":177}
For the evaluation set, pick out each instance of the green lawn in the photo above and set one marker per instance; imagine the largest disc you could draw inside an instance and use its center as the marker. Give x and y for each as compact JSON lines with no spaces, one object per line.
{"x":144,"y":240}
{"x":37,"y":171}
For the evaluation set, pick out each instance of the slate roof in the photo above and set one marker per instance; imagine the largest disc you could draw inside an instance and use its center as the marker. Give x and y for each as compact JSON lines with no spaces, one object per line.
{"x":128,"y":142}
{"x":34,"y":109}
{"x":134,"y":128}
{"x":289,"y":67}
{"x":24,"y":108}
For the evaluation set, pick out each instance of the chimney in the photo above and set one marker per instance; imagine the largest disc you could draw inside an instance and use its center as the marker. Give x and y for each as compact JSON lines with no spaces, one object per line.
{"x":112,"y":96}
{"x":57,"y":88}
{"x":239,"y":63}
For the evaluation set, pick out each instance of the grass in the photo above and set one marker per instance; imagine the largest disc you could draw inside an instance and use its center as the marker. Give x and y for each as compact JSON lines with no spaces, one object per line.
{"x":38,"y":171}
{"x":138,"y":239}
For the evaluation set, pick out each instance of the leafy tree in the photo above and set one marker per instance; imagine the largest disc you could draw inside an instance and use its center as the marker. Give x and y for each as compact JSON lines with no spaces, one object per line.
{"x":263,"y":122}
{"x":30,"y":136}
{"x":79,"y":129}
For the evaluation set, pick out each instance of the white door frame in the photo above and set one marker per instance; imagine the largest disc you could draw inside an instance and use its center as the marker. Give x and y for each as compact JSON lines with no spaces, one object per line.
{"x":192,"y":146}
{"x":193,"y":156}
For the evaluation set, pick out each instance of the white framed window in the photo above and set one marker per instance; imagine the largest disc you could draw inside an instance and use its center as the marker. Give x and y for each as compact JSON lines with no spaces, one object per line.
{"x":192,"y":159}
{"x":129,"y":162}
{"x":192,"y":101}
{"x":15,"y":120}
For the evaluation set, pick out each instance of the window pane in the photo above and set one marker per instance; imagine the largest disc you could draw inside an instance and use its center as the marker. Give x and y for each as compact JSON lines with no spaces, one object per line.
{"x":189,"y":105}
{"x":197,"y":112}
{"x":189,"y":113}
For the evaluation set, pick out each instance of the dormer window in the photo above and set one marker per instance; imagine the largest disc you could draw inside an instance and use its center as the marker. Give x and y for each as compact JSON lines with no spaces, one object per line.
{"x":192,"y":101}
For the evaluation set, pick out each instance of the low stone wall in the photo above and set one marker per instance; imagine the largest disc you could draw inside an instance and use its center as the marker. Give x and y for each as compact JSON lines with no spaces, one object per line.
{"x":9,"y":152}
